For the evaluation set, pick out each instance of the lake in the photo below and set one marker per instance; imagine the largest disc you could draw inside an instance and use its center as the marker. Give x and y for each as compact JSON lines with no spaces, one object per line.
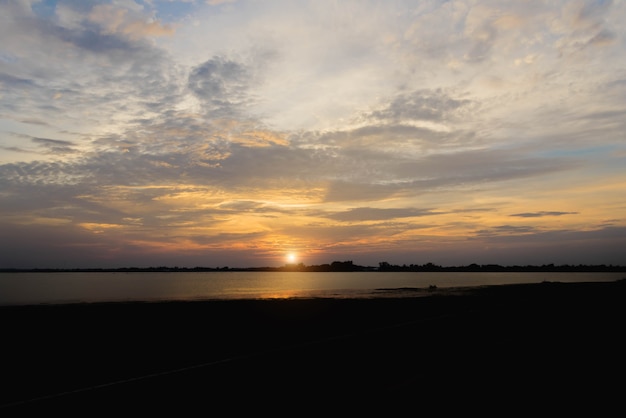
{"x":26,"y":288}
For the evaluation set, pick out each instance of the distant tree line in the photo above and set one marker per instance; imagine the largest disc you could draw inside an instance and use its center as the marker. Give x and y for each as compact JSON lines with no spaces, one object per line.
{"x":334,"y":266}
{"x":346,"y":266}
{"x":429,"y":267}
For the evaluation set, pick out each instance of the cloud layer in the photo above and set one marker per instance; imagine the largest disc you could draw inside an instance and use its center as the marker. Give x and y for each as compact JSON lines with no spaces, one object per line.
{"x":233,"y":132}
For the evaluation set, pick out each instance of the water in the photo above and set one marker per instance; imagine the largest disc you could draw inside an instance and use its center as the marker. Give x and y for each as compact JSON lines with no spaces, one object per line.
{"x":75,"y":287}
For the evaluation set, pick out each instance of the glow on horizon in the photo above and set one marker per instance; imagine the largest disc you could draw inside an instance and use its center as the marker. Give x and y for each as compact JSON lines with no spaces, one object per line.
{"x":198,"y":133}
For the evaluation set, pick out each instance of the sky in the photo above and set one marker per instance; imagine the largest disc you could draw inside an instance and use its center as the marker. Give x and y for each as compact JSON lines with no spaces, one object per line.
{"x":236,"y":132}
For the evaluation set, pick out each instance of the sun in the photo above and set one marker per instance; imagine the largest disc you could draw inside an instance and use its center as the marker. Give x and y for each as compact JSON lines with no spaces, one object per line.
{"x":292,"y":258}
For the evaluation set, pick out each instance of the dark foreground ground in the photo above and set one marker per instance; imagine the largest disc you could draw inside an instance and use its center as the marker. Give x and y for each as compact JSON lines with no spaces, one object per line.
{"x":534,"y":348}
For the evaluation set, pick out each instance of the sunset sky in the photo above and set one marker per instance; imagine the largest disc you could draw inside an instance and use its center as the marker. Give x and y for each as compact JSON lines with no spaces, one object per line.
{"x":235,"y":132}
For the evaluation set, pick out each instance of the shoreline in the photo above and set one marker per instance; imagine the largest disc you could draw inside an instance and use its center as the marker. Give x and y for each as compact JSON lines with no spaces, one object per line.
{"x":168,"y":354}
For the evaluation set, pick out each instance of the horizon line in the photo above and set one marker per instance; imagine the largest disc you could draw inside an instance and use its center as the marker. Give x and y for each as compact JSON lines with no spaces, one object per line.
{"x":339,"y":265}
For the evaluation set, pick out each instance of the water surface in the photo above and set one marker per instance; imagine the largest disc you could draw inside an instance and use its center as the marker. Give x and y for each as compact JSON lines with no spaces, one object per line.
{"x":72,"y":287}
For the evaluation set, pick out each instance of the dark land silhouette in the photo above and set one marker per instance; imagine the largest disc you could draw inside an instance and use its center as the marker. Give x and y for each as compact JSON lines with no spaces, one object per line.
{"x":545,"y":348}
{"x":338,"y":266}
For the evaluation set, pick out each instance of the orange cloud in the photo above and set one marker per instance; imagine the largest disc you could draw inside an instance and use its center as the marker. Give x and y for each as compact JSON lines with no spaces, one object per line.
{"x":117,"y":20}
{"x":260,"y":139}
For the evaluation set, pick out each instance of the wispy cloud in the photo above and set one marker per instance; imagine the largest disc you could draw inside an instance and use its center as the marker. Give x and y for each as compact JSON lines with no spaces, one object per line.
{"x":377,"y":214}
{"x":112,"y":19}
{"x":542,"y":214}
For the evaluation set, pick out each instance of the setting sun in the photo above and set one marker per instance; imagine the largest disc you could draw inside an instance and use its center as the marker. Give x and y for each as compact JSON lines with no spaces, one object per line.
{"x":291,"y":258}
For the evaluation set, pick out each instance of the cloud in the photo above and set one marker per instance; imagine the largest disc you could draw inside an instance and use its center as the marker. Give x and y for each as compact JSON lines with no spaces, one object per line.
{"x":44,"y":146}
{"x":425,"y":104}
{"x":343,"y":191}
{"x":112,"y":77}
{"x":482,"y":45}
{"x":218,"y":2}
{"x":542,"y":214}
{"x":603,"y":38}
{"x":259,"y":138}
{"x":377,"y":214}
{"x":55,"y":146}
{"x":477,"y":166}
{"x":120,"y":20}
{"x":584,"y":25}
{"x":221,"y":84}
{"x":504,"y":230}
{"x":34,"y":121}
{"x":10,"y":80}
